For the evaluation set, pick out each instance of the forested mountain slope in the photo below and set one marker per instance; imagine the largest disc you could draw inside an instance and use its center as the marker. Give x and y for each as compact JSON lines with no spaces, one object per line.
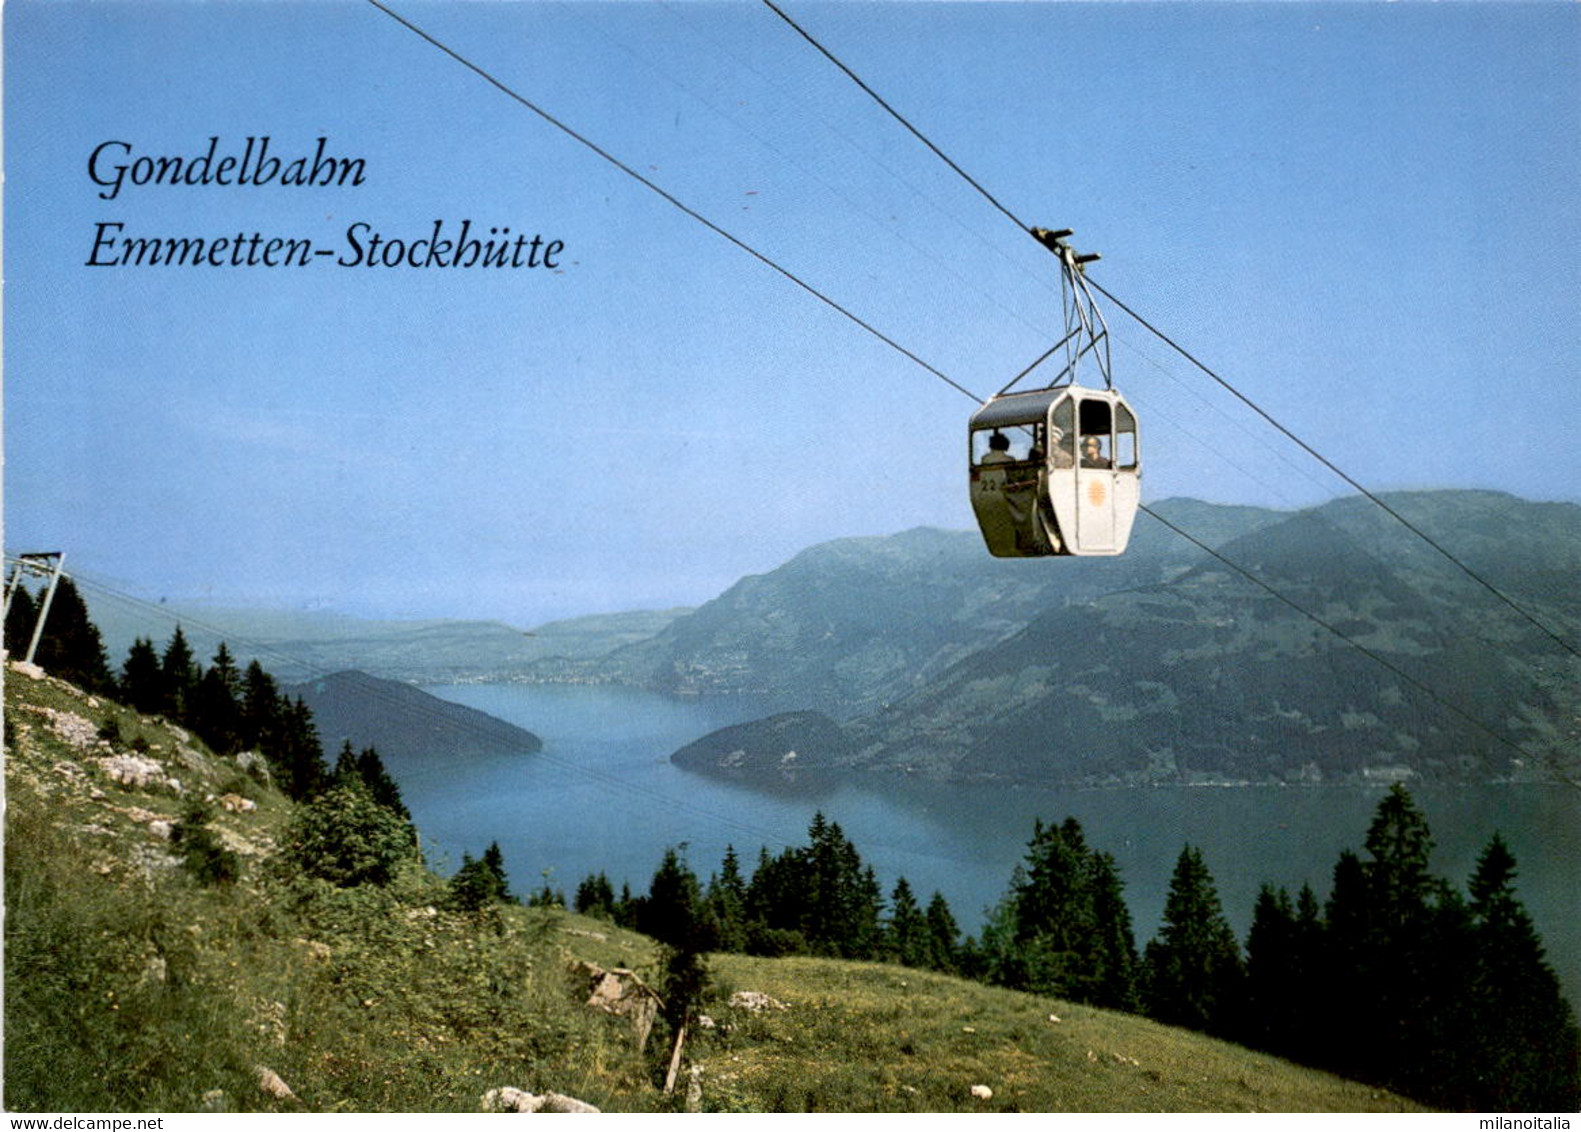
{"x":852,"y":624}
{"x":1167,"y":666}
{"x":410,"y":728}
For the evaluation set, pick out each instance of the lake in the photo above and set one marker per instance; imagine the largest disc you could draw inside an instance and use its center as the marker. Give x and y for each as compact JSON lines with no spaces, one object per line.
{"x":603,"y":795}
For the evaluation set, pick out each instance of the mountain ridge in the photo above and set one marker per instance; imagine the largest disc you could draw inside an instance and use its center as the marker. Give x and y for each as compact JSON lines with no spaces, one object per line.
{"x":1160,"y":665}
{"x":1187,"y":673}
{"x":414,"y":732}
{"x":299,"y":646}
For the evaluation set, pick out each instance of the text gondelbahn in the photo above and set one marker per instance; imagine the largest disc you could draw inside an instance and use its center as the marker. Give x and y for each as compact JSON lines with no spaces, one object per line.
{"x":116,"y":165}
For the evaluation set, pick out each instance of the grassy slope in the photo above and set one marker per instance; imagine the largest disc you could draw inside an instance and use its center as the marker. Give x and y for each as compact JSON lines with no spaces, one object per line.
{"x":862,"y":1036}
{"x":131,"y":988}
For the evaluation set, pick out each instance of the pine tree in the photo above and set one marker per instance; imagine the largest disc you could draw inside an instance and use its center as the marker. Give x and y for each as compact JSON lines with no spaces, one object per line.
{"x":1054,"y":907}
{"x":179,"y":675}
{"x":20,"y":617}
{"x":1193,"y":974}
{"x":225,"y":665}
{"x":626,"y":907}
{"x":385,"y":790}
{"x":1396,"y":962}
{"x":674,"y":912}
{"x":1304,"y":978}
{"x":972,"y":961}
{"x":201,"y":850}
{"x":259,"y":723}
{"x":778,"y":898}
{"x":815,"y":899}
{"x":1289,"y":976}
{"x":1401,"y":890}
{"x":1528,"y":1055}
{"x":1272,"y":973}
{"x":1054,"y":921}
{"x":996,"y":956}
{"x":1063,"y":928}
{"x":479,"y":883}
{"x":763,"y":900}
{"x":346,"y":772}
{"x":142,"y":683}
{"x":493,"y":861}
{"x":473,"y":888}
{"x":907,"y":940}
{"x":546,"y":897}
{"x":727,"y":902}
{"x":71,"y":647}
{"x":595,"y":897}
{"x":868,"y":907}
{"x":843,"y":898}
{"x":943,"y":936}
{"x":213,"y":711}
{"x":1415,"y":936}
{"x":1113,"y":964}
{"x":300,"y":755}
{"x":824,"y":882}
{"x":1344,"y":1037}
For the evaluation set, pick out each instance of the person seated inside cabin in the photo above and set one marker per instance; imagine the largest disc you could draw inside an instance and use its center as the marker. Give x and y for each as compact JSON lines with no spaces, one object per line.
{"x":1061,"y":457}
{"x":1009,"y":492}
{"x":1092,"y":453}
{"x":998,"y":450}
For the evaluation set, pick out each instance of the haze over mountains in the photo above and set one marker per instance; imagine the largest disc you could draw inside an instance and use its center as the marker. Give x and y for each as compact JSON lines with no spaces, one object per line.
{"x":297,"y":646}
{"x":918,"y":653}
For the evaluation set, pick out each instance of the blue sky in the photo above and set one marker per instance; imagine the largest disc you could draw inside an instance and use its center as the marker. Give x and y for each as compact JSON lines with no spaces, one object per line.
{"x":1364,"y":216}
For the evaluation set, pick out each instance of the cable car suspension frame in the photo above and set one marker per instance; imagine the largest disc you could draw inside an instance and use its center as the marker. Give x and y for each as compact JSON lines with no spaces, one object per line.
{"x":1084,"y":321}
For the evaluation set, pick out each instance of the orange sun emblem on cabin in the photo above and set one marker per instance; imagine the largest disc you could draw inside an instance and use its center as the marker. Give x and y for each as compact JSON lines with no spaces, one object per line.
{"x":1097,"y":492}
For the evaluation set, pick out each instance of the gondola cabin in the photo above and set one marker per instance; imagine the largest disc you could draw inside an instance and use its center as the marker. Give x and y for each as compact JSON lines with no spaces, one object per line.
{"x":1055,"y":471}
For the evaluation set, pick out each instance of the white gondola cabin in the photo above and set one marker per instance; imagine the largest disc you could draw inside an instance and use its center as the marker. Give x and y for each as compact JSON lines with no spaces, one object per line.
{"x":1058,"y":470}
{"x":1055,"y":471}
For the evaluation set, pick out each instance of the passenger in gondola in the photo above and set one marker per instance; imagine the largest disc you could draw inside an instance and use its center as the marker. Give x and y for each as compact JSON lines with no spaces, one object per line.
{"x":1061,"y":450}
{"x":1036,"y":524}
{"x":1092,"y":453}
{"x":1025,"y":483}
{"x":998,"y":450}
{"x":994,"y":504}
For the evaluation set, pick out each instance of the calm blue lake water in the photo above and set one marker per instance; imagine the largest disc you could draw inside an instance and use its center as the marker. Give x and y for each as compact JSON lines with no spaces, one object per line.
{"x":603,"y":795}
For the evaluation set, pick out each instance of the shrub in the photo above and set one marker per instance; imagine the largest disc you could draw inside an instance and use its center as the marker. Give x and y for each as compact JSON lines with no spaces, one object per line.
{"x":241,"y":785}
{"x":201,"y":850}
{"x":775,"y":943}
{"x":345,"y":837}
{"x":475,"y":886}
